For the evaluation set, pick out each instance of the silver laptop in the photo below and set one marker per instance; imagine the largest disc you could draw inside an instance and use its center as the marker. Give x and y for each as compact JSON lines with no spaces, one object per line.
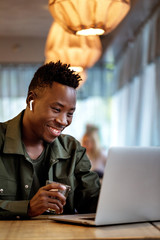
{"x":130,"y":190}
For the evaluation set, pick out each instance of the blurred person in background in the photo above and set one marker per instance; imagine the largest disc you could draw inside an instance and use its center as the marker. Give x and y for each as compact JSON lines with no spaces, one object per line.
{"x":95,"y":152}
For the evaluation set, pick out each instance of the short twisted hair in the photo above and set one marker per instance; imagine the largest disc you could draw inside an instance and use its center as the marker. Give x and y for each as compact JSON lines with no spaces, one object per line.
{"x":54,"y":72}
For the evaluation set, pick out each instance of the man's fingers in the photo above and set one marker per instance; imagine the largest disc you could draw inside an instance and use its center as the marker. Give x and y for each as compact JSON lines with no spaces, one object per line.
{"x":56,"y":195}
{"x":56,"y":206}
{"x":54,"y":185}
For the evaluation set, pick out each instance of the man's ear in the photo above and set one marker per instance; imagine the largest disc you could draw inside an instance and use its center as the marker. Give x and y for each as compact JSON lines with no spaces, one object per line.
{"x":30,"y":99}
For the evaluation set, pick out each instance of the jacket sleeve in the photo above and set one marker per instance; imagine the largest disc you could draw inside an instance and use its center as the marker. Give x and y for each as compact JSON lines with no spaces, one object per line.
{"x":88,"y":188}
{"x":13,"y":209}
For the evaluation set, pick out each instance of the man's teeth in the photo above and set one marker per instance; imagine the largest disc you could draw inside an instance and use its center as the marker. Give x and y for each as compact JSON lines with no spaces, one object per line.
{"x":55,"y":130}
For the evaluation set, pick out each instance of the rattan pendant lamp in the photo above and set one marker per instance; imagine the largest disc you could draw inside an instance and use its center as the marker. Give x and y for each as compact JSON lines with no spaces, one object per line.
{"x":78,"y":51}
{"x":89,"y":17}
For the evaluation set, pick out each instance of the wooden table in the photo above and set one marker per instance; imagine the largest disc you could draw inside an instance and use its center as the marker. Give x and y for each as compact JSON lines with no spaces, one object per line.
{"x":47,"y":229}
{"x":156,"y":224}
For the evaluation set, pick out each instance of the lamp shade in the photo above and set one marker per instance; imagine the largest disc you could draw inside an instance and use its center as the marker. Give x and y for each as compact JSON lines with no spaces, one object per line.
{"x":77,"y":15}
{"x":71,"y":49}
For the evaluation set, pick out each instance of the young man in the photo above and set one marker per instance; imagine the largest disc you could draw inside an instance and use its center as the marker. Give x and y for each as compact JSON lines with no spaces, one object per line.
{"x":33,"y":150}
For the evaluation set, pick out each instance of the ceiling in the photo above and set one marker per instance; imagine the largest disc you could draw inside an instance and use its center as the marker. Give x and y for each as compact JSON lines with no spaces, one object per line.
{"x":24,"y":18}
{"x":32,"y":19}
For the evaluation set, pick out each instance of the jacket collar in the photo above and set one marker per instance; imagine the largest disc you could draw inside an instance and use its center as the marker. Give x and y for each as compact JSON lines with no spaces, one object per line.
{"x":12,"y":142}
{"x":58,"y":151}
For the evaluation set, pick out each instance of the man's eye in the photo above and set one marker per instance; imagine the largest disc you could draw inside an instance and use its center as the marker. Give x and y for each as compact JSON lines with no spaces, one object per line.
{"x":70,"y":114}
{"x":56,"y":109}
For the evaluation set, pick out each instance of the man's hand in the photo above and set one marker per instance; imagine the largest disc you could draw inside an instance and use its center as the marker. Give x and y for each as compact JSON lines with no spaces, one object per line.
{"x":46,"y":198}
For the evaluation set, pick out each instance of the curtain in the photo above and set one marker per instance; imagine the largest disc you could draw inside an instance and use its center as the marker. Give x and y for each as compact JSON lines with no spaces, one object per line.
{"x":136,"y":99}
{"x":14,"y":81}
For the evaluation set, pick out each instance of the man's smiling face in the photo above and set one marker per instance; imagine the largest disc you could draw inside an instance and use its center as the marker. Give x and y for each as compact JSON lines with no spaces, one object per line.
{"x":53,"y":111}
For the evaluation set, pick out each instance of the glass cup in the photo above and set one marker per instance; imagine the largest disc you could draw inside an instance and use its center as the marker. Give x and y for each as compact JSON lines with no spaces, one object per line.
{"x":64,"y":192}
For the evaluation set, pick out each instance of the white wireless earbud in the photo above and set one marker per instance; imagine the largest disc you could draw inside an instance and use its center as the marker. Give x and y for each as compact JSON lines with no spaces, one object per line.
{"x":30,"y":105}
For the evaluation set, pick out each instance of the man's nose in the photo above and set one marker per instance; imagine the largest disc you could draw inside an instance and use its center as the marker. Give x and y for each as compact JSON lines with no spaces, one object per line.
{"x":62,"y":119}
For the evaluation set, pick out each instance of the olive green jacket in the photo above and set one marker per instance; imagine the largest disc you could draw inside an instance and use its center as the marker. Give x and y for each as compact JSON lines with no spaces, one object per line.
{"x":68,"y":164}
